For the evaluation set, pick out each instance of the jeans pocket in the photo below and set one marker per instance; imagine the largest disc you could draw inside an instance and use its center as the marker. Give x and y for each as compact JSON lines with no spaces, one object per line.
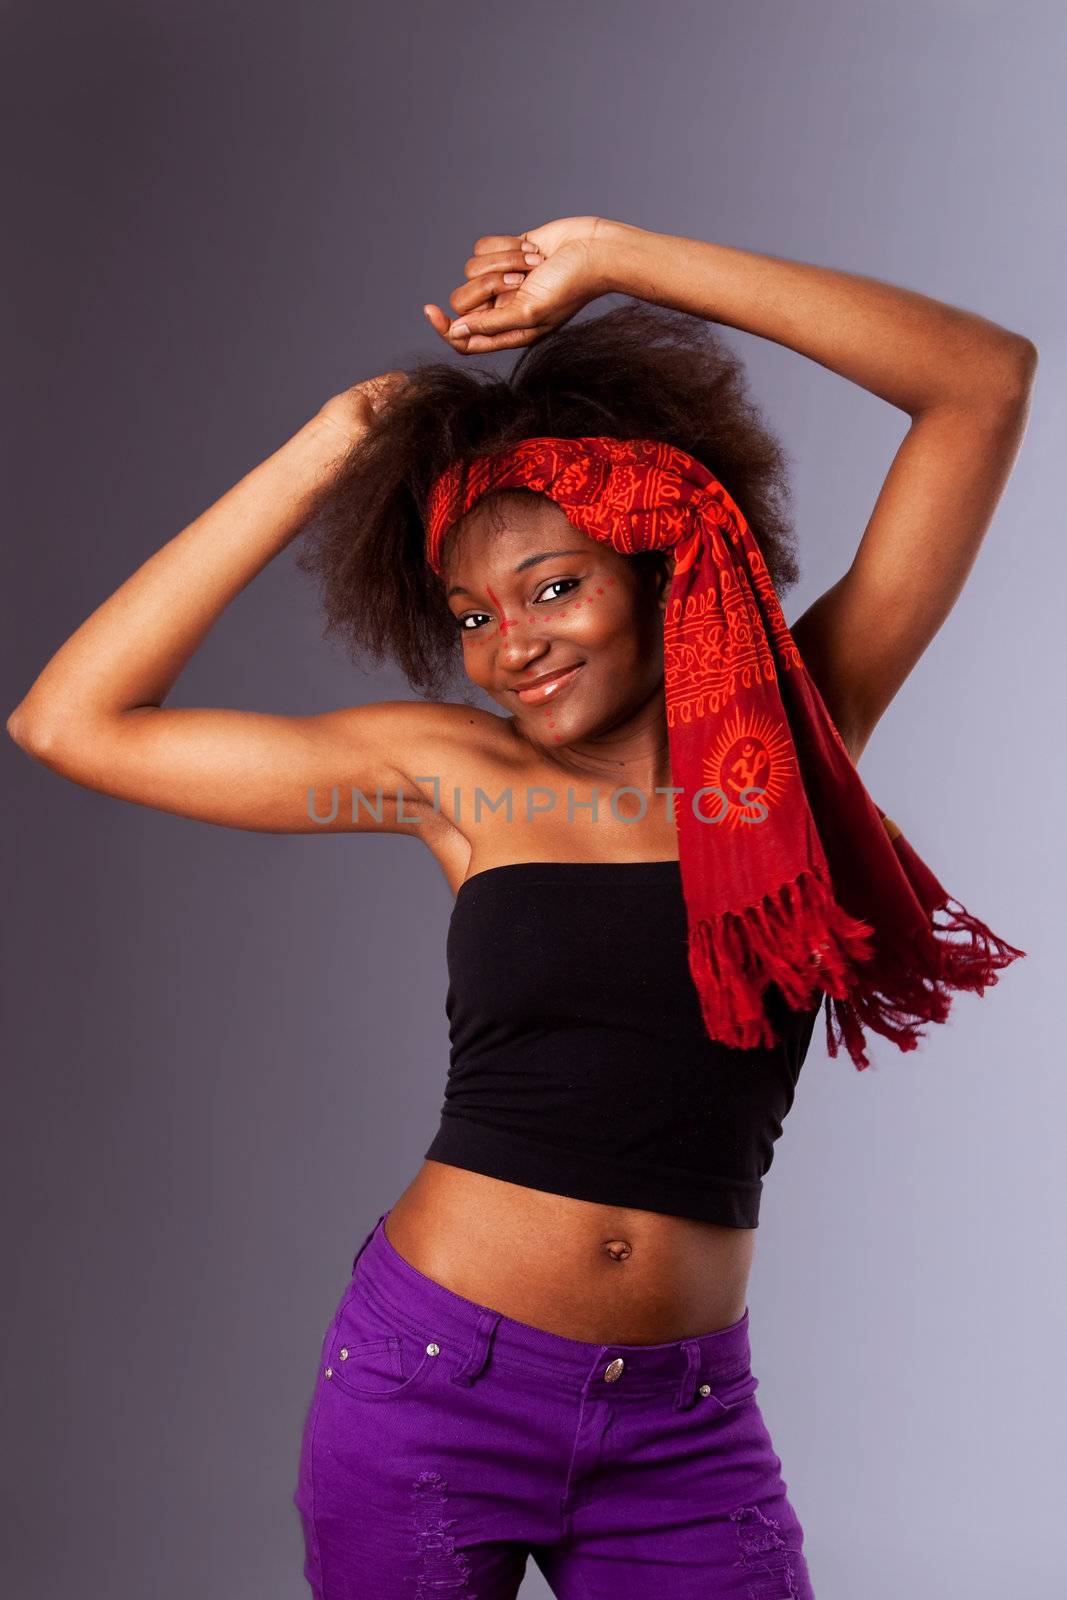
{"x":375,"y":1353}
{"x":731,"y":1392}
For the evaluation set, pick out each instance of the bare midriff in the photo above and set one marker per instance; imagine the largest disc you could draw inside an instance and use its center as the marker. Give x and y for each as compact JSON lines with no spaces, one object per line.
{"x":605,"y":1274}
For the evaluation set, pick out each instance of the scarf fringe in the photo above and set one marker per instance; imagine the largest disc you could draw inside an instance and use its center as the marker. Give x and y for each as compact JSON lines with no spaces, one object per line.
{"x":901,"y":1014}
{"x":975,"y":964}
{"x":797,"y":937}
{"x":801,"y":939}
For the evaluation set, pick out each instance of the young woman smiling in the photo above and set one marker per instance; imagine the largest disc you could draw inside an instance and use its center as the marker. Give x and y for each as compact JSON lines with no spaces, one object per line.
{"x":543,"y":1347}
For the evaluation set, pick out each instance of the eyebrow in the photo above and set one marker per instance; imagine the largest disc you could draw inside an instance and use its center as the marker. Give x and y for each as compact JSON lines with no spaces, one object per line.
{"x":530,"y":561}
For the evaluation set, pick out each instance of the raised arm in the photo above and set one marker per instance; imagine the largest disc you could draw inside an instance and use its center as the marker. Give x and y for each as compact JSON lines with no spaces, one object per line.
{"x":95,"y":713}
{"x":965,"y":383}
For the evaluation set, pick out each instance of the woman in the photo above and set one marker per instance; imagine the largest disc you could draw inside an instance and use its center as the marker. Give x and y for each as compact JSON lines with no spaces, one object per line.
{"x":543,"y":1348}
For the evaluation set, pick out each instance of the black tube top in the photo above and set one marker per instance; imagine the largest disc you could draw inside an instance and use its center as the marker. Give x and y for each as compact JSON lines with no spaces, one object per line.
{"x":579,"y":1060}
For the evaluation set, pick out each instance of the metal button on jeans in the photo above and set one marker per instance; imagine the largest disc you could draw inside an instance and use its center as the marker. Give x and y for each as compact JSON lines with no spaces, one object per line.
{"x":613,"y":1369}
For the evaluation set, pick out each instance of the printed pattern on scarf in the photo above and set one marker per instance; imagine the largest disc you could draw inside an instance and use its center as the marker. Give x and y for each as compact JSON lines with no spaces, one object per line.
{"x":791,"y":873}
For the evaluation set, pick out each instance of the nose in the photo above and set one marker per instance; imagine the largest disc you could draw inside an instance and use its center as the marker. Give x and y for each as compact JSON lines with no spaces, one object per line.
{"x":521,"y":650}
{"x":519,"y":637}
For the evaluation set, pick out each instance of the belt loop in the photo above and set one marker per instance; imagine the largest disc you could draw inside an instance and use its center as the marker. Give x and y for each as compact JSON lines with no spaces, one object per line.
{"x":471,"y":1365}
{"x":688,"y":1387}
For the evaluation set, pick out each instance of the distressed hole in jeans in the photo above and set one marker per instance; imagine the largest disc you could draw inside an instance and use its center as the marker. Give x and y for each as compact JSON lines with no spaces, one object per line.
{"x":442,"y":1568}
{"x":765,"y":1556}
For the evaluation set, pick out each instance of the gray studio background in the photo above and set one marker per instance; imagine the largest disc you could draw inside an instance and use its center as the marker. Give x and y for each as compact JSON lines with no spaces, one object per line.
{"x":226,"y":1051}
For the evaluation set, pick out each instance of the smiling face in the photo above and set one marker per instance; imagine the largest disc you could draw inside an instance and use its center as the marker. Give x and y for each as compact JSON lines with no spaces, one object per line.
{"x":533,"y":596}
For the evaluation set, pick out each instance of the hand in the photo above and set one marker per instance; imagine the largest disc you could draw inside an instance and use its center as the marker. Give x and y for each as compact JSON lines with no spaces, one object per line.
{"x":353,"y":410}
{"x":510,"y":300}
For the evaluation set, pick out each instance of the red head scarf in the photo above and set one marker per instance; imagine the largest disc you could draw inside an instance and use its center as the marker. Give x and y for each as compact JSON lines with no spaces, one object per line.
{"x":824,"y":895}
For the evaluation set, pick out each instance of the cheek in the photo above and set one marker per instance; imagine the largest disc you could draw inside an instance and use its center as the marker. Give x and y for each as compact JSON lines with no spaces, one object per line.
{"x":602,"y":617}
{"x":477,"y":656}
{"x":600,"y":604}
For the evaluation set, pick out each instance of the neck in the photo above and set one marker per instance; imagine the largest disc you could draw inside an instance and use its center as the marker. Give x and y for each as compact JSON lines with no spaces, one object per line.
{"x":634,"y":752}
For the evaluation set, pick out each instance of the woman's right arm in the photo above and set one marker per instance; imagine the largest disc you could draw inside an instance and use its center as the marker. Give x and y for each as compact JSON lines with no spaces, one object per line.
{"x":95,"y":713}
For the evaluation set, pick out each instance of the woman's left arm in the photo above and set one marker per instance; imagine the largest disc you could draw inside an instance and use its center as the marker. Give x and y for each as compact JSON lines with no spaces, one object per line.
{"x":965,"y":383}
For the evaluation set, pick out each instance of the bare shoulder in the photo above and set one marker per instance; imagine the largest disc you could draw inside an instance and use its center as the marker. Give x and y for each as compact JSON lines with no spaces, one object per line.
{"x":423,"y":749}
{"x":436,"y":734}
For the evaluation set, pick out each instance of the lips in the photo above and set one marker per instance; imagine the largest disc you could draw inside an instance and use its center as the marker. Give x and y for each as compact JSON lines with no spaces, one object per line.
{"x":548,"y":687}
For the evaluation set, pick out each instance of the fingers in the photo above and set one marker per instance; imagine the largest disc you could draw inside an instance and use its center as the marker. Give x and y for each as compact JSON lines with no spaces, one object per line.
{"x":478,"y":344}
{"x":485,"y":303}
{"x":495,"y":243}
{"x":505,"y":317}
{"x":490,"y":276}
{"x":437,"y":319}
{"x":492,"y":308}
{"x":499,"y":274}
{"x":520,"y":258}
{"x":520,"y":312}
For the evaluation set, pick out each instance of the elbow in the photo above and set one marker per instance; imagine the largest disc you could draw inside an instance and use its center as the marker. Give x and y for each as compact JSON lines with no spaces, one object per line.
{"x":1013,"y":378}
{"x":29,"y":733}
{"x":1025,"y":358}
{"x":18,"y":727}
{"x":997,"y":384}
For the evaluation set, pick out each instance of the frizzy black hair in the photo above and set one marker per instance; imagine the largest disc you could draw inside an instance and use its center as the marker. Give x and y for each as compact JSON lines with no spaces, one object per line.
{"x":638,"y":370}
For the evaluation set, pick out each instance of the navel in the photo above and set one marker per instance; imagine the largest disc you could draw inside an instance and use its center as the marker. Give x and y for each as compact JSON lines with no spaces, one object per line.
{"x":618,"y":1249}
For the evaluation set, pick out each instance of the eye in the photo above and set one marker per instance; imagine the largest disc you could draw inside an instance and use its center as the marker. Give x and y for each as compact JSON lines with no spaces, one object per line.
{"x":555,"y":585}
{"x":472,"y":617}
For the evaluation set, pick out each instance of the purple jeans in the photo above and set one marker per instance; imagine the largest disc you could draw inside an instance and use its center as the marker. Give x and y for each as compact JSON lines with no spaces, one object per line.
{"x":445,"y":1444}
